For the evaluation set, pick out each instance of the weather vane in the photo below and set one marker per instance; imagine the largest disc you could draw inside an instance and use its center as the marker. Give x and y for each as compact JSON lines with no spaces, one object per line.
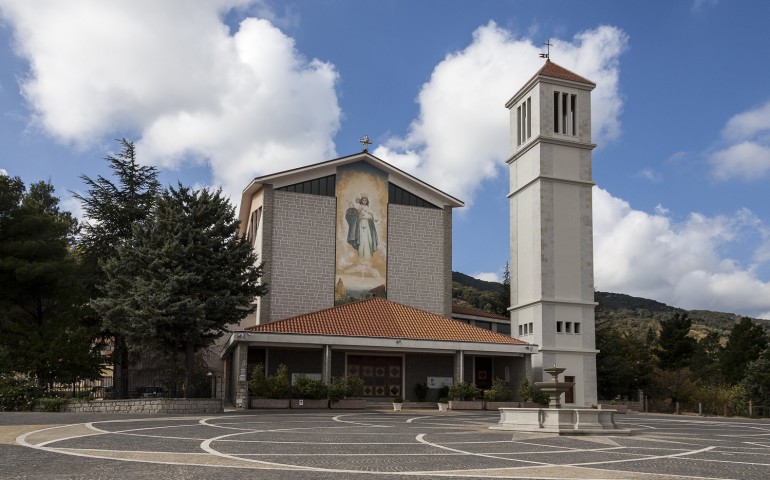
{"x":548,"y":46}
{"x":365,"y":142}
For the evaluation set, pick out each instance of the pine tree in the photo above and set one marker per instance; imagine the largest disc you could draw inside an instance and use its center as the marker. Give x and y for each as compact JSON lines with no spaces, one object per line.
{"x":41,"y":332}
{"x":676,"y":347}
{"x":746,"y":342}
{"x":113,"y":208}
{"x":184,"y":277}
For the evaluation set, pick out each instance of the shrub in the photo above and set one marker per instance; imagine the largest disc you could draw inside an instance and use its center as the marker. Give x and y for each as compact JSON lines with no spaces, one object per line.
{"x":443,"y":400}
{"x":499,"y":392}
{"x":307,"y":388}
{"x":51,"y":404}
{"x":274,"y":386}
{"x":464,"y":391}
{"x":531,"y":392}
{"x":258,"y":382}
{"x":398,"y":400}
{"x":18,"y":394}
{"x":421,"y":391}
{"x":344,"y":387}
{"x":278,"y":384}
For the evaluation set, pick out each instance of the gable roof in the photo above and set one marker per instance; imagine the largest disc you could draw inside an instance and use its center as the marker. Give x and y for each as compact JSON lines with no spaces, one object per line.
{"x":324,"y":168}
{"x":380,"y":318}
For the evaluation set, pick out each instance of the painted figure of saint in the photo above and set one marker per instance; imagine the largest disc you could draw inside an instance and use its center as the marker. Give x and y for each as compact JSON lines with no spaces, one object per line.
{"x":362,"y":231}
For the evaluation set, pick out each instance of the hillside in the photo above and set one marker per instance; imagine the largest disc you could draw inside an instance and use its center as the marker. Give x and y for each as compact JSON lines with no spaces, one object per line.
{"x":626,"y":311}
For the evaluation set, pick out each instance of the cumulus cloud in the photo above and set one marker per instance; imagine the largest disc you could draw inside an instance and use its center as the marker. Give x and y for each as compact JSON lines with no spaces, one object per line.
{"x":458,"y":140}
{"x":747,"y":153}
{"x":488,"y":277}
{"x":246,"y":102}
{"x":679,"y":263}
{"x":3,"y":172}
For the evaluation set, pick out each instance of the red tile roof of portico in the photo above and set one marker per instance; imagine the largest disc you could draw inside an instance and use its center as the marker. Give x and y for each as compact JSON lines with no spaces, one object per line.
{"x":379,"y":318}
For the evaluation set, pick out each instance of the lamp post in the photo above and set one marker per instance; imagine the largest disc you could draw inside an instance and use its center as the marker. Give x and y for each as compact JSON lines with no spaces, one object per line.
{"x":213,"y":384}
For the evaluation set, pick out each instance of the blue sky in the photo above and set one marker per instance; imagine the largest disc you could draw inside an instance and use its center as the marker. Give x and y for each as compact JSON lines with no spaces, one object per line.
{"x":218,"y":92}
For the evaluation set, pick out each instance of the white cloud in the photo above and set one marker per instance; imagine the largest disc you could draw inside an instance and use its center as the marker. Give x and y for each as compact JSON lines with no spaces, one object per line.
{"x":679,"y":263}
{"x":650,"y":175}
{"x":3,"y":172}
{"x":747,"y":155}
{"x":458,"y":139}
{"x":488,"y":276}
{"x":244,"y":102}
{"x":698,"y":5}
{"x":75,"y":207}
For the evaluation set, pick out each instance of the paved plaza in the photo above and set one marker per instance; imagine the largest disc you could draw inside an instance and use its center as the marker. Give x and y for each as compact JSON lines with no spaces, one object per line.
{"x":372,"y":444}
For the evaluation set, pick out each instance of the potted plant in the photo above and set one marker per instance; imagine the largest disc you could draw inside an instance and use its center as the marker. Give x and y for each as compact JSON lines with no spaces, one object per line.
{"x":499,"y":395}
{"x":463,"y":397}
{"x":342,"y":388}
{"x":443,"y":404}
{"x":397,"y":403}
{"x":270,"y":391}
{"x":309,"y":393}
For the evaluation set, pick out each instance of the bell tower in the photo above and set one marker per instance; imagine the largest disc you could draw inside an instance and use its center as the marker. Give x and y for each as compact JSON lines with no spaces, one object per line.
{"x":552,"y":277}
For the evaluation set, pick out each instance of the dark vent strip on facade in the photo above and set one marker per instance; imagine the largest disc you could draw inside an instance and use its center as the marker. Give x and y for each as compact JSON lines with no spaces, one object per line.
{"x":399,"y":196}
{"x":324,"y":186}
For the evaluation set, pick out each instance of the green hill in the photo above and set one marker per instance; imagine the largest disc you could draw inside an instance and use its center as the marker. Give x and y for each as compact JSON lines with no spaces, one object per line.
{"x":626,"y":311}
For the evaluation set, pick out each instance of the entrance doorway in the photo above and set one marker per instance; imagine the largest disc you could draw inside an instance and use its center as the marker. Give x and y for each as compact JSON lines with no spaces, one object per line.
{"x":382,"y":375}
{"x":483,"y":372}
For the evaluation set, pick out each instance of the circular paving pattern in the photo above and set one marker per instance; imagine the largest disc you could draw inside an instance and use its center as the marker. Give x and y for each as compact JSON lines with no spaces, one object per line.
{"x":421,"y":444}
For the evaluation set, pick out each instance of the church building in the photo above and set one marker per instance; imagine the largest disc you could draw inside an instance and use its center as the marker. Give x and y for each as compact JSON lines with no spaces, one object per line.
{"x":358,"y":258}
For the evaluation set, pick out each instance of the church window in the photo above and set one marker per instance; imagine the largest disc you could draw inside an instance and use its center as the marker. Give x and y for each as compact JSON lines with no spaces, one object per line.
{"x":524,"y":121}
{"x":324,"y":186}
{"x":256,"y":218}
{"x":559,"y":326}
{"x":484,"y":325}
{"x":521,"y":330}
{"x":399,"y":196}
{"x":526,"y":329}
{"x":568,"y":327}
{"x":577,"y":327}
{"x":565,"y":113}
{"x":531,"y":328}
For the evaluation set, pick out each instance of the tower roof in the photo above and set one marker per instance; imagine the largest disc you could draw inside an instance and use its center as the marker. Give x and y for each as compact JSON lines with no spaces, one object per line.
{"x":553,"y":70}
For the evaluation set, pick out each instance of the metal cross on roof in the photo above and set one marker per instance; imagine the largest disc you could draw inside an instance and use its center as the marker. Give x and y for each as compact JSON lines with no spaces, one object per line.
{"x":547,"y":55}
{"x":365,"y":142}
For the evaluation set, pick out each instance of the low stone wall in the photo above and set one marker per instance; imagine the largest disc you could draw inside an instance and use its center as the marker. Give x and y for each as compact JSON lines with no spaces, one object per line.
{"x":147,"y":405}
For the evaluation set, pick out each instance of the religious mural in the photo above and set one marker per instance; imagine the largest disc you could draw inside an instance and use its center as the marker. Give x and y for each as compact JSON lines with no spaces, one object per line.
{"x":362,"y":221}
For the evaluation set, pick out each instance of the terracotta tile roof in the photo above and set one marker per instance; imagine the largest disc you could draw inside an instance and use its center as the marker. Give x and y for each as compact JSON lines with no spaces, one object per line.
{"x":553,"y":70}
{"x":376,"y":317}
{"x":477,"y":312}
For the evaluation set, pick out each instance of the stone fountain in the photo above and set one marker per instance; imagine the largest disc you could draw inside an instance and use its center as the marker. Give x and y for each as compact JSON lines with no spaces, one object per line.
{"x":555,"y":419}
{"x":554,"y":388}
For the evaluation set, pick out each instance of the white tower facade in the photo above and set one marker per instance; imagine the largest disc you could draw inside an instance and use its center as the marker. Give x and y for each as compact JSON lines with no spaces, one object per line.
{"x":552,"y":278}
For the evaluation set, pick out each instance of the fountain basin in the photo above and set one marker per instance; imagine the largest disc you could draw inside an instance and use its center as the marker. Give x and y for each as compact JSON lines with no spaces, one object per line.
{"x":563,"y":421}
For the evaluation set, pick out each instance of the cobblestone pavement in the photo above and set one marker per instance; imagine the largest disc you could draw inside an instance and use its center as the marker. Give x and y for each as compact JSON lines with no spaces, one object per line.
{"x":372,"y":444}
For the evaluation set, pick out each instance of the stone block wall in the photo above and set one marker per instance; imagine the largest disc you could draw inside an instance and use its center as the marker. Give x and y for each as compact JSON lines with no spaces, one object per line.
{"x":147,"y":405}
{"x":302,"y":255}
{"x":419,"y":258}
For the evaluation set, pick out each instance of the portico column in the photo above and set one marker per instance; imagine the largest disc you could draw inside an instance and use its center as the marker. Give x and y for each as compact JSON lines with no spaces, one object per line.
{"x":326,"y":366}
{"x":240,"y":359}
{"x":459,"y":366}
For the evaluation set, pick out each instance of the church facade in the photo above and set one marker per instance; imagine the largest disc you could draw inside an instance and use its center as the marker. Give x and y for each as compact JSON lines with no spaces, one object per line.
{"x":357,"y":256}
